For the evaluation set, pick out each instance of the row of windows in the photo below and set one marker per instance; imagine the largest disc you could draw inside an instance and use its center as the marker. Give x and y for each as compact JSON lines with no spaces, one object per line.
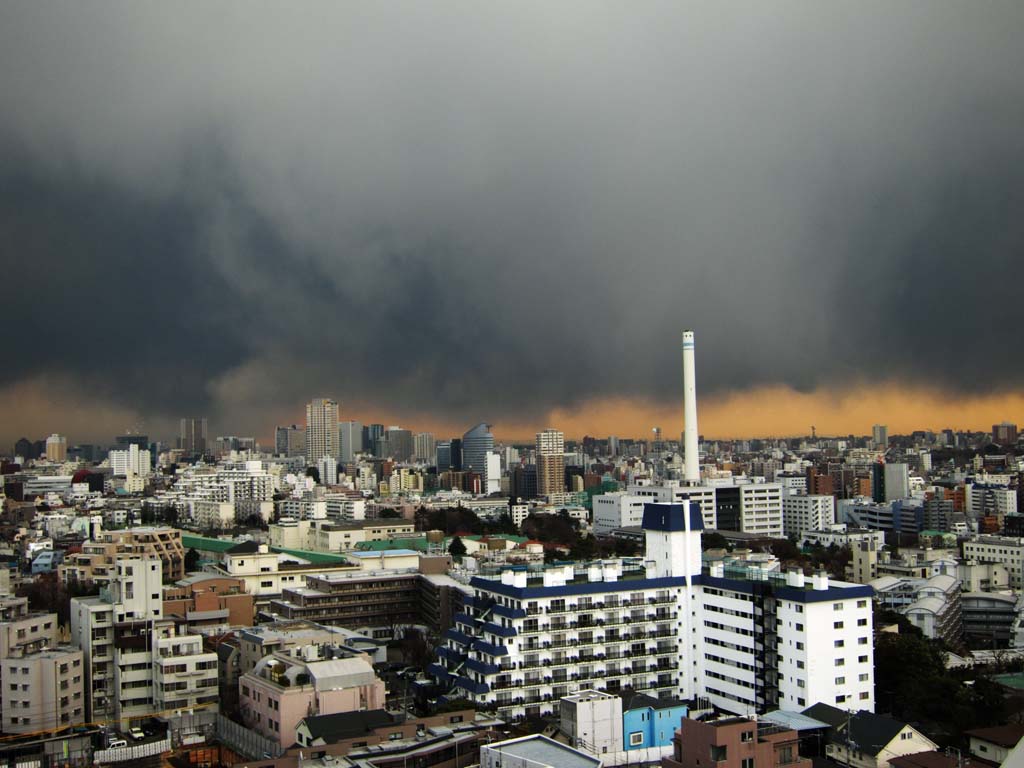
{"x":727,"y":628}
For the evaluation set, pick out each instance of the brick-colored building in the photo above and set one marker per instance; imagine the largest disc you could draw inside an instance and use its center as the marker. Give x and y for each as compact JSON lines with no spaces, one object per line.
{"x":209,"y":601}
{"x":734,"y":742}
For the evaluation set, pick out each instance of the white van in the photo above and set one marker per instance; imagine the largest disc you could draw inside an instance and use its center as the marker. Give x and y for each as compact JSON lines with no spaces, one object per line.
{"x":117,"y":743}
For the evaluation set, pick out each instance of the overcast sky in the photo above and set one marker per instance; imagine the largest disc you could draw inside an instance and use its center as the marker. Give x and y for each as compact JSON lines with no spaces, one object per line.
{"x":443,"y":212}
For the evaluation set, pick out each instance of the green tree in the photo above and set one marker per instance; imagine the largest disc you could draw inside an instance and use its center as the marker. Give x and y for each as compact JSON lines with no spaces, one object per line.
{"x":389,"y":514}
{"x":457,"y":549}
{"x":713,"y":540}
{"x":191,"y":560}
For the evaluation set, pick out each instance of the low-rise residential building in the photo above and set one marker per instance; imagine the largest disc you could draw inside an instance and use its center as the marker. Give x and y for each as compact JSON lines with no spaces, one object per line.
{"x":734,"y":742}
{"x":866,"y":740}
{"x":994,"y":744}
{"x":281,"y":691}
{"x":296,"y":637}
{"x":536,"y":751}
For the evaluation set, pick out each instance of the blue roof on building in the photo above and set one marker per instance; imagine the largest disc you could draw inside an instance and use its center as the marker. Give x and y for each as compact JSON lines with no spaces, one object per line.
{"x":672,"y":517}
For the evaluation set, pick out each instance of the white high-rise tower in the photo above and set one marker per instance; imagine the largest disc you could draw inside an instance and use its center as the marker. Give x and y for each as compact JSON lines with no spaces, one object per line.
{"x":692,"y":466}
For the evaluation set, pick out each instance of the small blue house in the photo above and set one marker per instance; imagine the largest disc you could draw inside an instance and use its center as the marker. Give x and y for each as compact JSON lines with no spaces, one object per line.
{"x":650,"y":722}
{"x":47,"y":560}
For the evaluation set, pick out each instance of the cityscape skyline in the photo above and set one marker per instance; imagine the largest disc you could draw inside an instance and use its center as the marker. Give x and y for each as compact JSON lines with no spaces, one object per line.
{"x":901,"y":412}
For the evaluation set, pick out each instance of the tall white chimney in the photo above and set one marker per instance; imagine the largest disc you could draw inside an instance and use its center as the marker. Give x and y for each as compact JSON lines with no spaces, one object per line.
{"x":690,"y":412}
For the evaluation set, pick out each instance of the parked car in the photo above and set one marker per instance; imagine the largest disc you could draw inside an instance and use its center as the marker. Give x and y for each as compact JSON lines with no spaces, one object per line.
{"x":137,"y":734}
{"x":117,"y":743}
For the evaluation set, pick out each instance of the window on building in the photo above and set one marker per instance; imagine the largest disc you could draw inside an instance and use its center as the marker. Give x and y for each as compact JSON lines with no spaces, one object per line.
{"x":636,"y":738}
{"x":718,"y":753}
{"x":747,"y":736}
{"x":839,"y":643}
{"x":747,"y":762}
{"x":837,"y":606}
{"x":837,"y":625}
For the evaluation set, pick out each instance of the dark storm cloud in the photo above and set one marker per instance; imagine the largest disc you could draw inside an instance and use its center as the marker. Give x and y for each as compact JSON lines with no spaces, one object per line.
{"x":496,"y":211}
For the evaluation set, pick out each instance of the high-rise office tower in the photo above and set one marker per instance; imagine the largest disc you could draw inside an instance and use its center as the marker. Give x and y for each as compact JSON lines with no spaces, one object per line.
{"x":475,"y":445}
{"x":321,"y":430}
{"x":350,"y":435}
{"x":550,"y":462}
{"x":56,"y":448}
{"x":613,"y":445}
{"x":192,"y":436}
{"x":423,"y":447}
{"x":371,"y":434}
{"x":443,"y":455}
{"x":880,"y":436}
{"x":396,"y":443}
{"x":290,"y":441}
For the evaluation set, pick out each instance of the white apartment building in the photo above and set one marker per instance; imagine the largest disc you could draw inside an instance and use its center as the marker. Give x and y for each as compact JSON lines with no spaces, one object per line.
{"x":1006,"y":551}
{"x":792,"y":482}
{"x":842,"y":535}
{"x":745,"y":639}
{"x":984,"y":499}
{"x":133,"y":462}
{"x":341,"y":507}
{"x":807,"y":513}
{"x":135,"y":662}
{"x":744,"y":504}
{"x":617,"y":510}
{"x":328,"y":466}
{"x":492,"y":471}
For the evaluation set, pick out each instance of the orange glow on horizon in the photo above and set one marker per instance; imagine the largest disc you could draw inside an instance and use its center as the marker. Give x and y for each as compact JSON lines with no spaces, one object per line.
{"x":765,"y":412}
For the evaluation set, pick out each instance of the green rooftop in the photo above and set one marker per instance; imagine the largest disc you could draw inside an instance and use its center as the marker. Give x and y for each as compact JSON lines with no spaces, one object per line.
{"x":206,"y":544}
{"x":316,"y":558}
{"x":1011,"y":680}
